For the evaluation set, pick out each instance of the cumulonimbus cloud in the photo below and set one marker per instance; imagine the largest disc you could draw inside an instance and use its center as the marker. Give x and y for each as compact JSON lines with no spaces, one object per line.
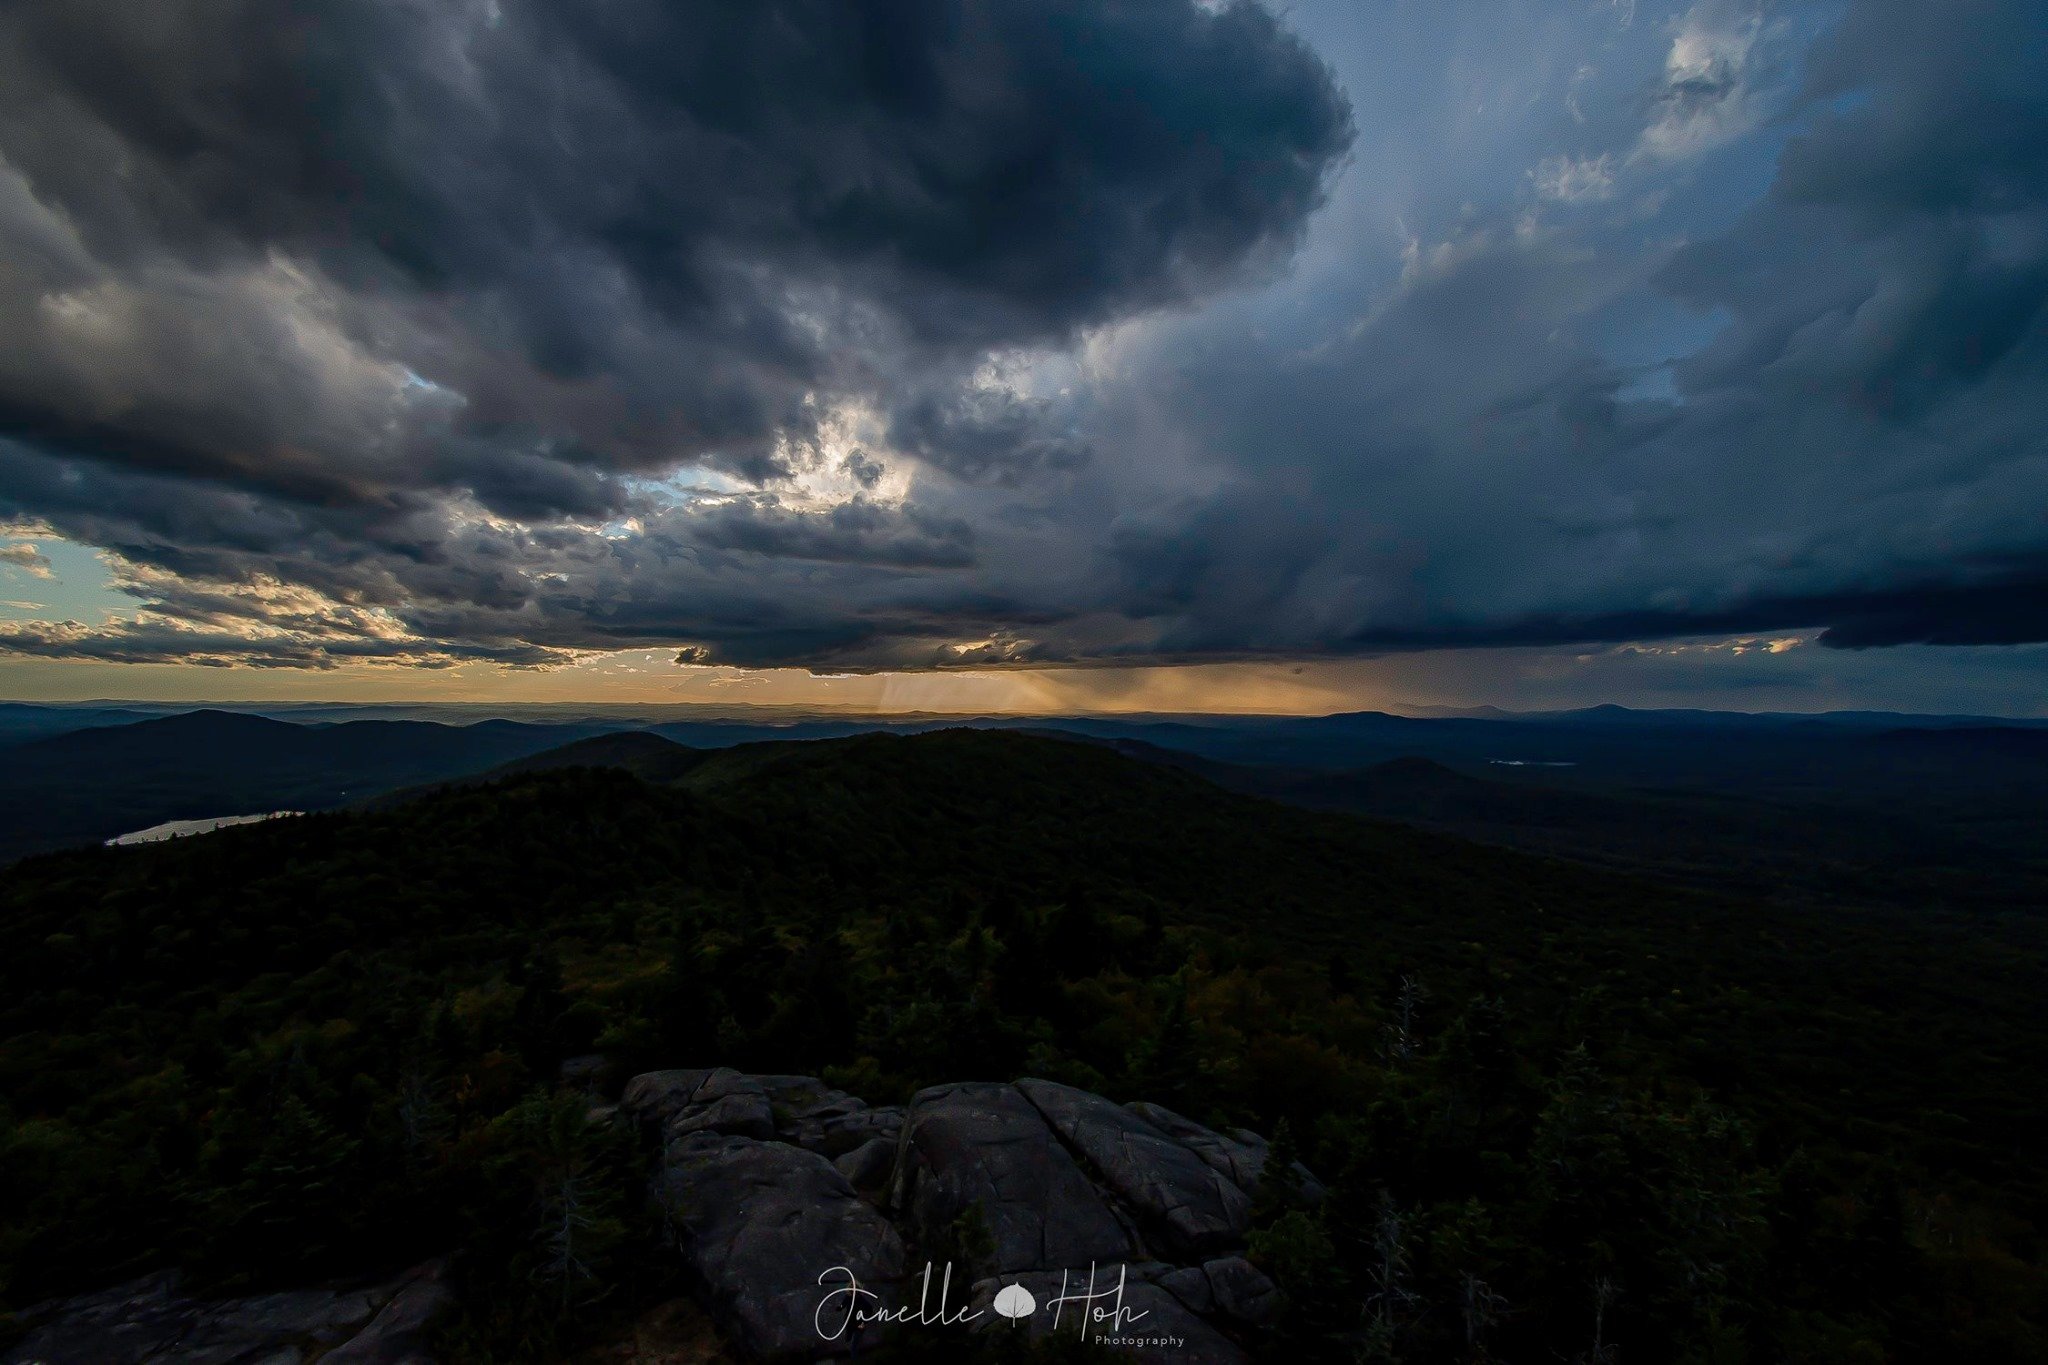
{"x":379,"y":285}
{"x":958,"y":334}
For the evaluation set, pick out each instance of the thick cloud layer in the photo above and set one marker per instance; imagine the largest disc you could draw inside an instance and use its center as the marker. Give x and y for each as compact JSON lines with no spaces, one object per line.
{"x":948,"y":333}
{"x":1836,"y":425}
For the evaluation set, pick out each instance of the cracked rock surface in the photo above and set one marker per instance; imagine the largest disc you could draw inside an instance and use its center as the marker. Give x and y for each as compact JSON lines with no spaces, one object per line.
{"x":147,"y":1321}
{"x":1185,"y":1206}
{"x":979,"y":1168}
{"x":789,"y":1203}
{"x":1033,"y":1183}
{"x":766,"y":1229}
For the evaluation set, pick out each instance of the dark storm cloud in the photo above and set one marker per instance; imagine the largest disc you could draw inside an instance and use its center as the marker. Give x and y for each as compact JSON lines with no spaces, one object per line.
{"x":618,"y":234}
{"x":1465,"y":461}
{"x":1895,"y":282}
{"x":378,"y":299}
{"x":985,"y":434}
{"x":149,"y":640}
{"x":1902,"y":257}
{"x":2007,"y":613}
{"x":1999,"y":612}
{"x":854,"y":532}
{"x":962,"y":334}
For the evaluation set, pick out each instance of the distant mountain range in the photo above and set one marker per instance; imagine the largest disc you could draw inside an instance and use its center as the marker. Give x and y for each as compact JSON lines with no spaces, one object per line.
{"x":21,"y":721}
{"x":376,"y":1027}
{"x":96,"y":783}
{"x":1853,"y":806}
{"x":1814,"y":850}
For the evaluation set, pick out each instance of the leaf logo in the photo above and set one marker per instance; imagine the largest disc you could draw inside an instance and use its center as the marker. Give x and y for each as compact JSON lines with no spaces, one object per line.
{"x":1016,"y":1302}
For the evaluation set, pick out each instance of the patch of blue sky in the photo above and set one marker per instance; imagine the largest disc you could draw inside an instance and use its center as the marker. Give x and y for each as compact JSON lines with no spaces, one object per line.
{"x":685,"y":485}
{"x":79,"y":588}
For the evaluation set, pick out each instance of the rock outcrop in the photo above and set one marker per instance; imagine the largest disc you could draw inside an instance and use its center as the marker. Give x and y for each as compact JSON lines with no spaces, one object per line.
{"x":800,"y":1110}
{"x":1239,"y":1157}
{"x":150,"y":1320}
{"x":809,"y":1222}
{"x":1185,"y":1207}
{"x":768,"y":1229}
{"x":781,"y":1190}
{"x":980,"y":1172}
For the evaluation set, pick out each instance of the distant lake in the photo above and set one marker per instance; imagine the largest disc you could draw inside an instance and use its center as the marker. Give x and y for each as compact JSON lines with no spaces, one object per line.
{"x":175,"y":829}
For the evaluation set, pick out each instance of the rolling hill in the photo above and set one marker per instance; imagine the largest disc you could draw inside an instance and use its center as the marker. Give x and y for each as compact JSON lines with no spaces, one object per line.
{"x":291,"y":1049}
{"x":1790,"y":852}
{"x":92,"y":784}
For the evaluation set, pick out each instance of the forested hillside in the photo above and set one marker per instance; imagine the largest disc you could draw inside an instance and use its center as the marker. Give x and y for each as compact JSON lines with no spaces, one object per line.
{"x":102,"y":781}
{"x":1608,"y":1113}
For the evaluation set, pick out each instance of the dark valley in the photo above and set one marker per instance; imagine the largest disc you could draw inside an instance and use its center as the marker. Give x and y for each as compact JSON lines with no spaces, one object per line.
{"x":1631,"y":1110}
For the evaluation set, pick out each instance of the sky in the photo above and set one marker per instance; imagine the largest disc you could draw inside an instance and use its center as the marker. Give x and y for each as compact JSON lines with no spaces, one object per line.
{"x":1027,"y":355}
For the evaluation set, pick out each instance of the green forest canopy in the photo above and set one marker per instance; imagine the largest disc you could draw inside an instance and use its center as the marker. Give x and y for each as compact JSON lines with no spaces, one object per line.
{"x":1723,"y":1132}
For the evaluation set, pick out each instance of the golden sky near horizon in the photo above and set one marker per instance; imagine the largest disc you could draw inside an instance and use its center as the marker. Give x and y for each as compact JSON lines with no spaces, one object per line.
{"x":58,"y":580}
{"x":650,"y":677}
{"x":1789,"y":673}
{"x":1350,"y":361}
